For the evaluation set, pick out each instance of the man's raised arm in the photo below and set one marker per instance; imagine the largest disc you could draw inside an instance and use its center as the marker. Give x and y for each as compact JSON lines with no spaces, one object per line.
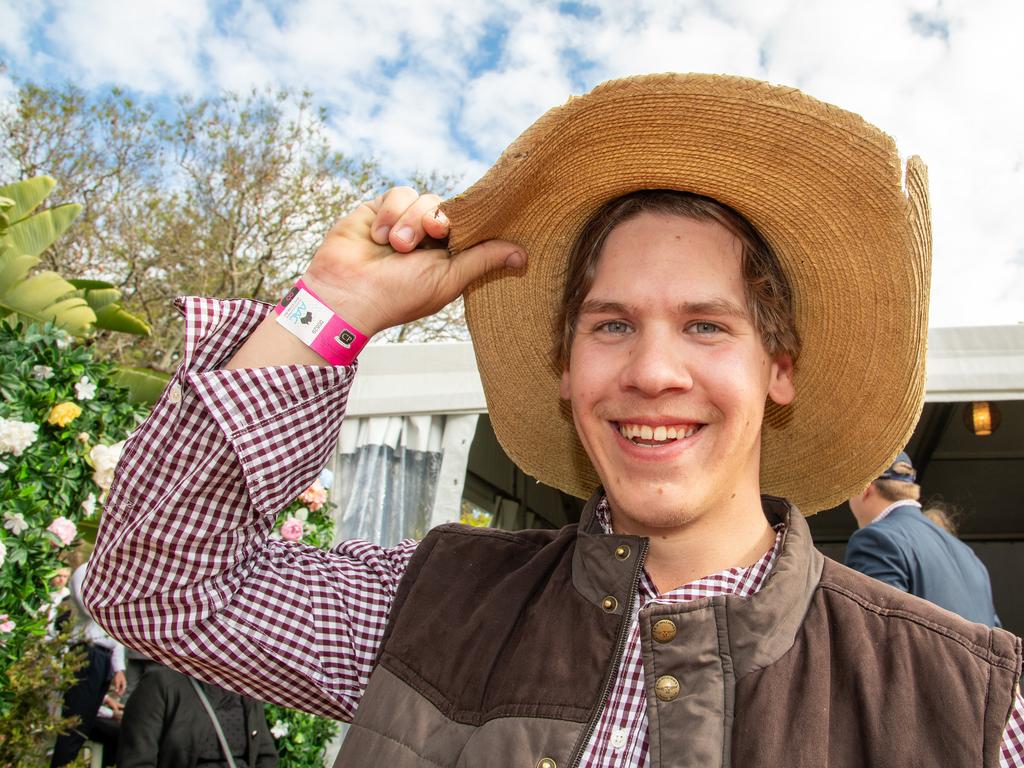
{"x":184,"y":569}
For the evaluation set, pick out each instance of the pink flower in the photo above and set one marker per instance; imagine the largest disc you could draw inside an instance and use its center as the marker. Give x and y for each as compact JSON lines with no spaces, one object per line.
{"x":64,"y":530}
{"x":291,"y":529}
{"x":314,"y":496}
{"x":6,"y":625}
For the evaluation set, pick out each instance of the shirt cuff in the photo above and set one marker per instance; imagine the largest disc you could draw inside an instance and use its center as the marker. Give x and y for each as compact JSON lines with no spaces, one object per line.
{"x":282,"y":421}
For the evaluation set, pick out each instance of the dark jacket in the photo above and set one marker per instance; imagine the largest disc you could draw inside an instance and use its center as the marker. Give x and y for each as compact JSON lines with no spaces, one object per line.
{"x":908,"y":551}
{"x":501,"y":648}
{"x":164,"y":722}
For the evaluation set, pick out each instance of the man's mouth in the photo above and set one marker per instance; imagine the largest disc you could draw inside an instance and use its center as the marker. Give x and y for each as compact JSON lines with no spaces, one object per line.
{"x":652,"y":437}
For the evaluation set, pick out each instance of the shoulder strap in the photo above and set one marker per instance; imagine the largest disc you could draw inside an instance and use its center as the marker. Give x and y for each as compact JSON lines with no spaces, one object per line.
{"x":213,"y":719}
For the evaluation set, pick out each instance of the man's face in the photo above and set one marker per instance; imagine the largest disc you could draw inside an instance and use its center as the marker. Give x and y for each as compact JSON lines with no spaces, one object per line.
{"x":667,"y":375}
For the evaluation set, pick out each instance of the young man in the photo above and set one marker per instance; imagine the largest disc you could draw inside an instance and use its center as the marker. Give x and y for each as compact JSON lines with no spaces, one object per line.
{"x":687,"y":621}
{"x":896,"y":543}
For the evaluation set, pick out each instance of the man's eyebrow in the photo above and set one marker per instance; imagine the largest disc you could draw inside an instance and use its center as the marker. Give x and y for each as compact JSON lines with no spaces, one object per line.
{"x":600,"y":307}
{"x":712,"y":307}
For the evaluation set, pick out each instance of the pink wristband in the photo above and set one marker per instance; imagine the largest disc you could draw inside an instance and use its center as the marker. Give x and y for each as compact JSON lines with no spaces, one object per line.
{"x":306,"y":316}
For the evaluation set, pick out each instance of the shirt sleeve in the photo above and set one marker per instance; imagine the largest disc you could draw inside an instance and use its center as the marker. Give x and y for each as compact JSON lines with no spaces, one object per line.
{"x":874,"y":554}
{"x":184,"y":569}
{"x":1012,"y":754}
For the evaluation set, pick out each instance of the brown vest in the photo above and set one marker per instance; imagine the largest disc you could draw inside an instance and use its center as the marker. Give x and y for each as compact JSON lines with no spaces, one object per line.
{"x":501,"y":648}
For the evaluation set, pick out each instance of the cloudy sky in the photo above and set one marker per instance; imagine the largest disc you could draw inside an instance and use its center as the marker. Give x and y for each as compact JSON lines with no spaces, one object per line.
{"x":447,"y":85}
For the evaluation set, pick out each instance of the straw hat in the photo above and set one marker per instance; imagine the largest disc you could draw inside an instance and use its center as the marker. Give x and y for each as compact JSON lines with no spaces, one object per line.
{"x":823,"y":187}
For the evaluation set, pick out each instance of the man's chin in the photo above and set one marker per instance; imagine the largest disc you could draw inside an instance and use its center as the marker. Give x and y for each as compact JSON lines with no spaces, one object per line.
{"x":659,"y":508}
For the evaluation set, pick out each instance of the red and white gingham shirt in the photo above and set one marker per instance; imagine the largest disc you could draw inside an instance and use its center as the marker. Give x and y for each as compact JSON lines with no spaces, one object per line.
{"x":185,"y":571}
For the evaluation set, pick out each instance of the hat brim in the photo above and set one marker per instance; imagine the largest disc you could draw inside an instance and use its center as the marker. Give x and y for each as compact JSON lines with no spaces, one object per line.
{"x":822,"y":186}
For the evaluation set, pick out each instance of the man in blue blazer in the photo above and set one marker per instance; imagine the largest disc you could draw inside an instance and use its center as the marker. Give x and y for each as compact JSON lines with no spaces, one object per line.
{"x":897,"y":544}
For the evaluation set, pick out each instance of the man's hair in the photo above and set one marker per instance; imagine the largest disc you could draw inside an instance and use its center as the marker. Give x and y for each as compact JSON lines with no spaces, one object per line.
{"x":897,"y":490}
{"x":769,"y":298}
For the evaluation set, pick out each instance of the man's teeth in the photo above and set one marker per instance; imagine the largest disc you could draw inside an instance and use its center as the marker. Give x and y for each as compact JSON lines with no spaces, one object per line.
{"x":658,"y":434}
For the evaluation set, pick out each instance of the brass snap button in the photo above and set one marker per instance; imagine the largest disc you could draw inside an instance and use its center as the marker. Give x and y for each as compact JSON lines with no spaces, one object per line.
{"x":610,"y":604}
{"x":622,"y":552}
{"x":666,"y":688}
{"x":664,"y":630}
{"x":547,"y":762}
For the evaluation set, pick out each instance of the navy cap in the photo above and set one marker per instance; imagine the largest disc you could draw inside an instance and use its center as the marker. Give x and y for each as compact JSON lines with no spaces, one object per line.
{"x":901,"y":470}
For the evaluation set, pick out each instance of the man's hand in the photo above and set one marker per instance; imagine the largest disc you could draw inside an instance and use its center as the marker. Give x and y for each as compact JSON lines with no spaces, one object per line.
{"x":374,"y":270}
{"x":119,"y":683}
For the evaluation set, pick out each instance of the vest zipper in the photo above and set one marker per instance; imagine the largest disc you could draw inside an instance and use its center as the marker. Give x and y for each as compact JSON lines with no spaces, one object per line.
{"x":613,"y":671}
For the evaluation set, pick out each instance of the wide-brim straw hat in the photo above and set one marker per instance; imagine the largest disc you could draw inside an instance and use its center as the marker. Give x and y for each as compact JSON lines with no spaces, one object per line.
{"x":849,"y":224}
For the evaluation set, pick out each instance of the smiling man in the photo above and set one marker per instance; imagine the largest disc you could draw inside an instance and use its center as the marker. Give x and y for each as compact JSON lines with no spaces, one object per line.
{"x":729,"y":273}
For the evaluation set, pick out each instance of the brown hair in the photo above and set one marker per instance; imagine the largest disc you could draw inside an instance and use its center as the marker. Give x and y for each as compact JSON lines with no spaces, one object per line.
{"x":769,"y":298}
{"x":897,"y":490}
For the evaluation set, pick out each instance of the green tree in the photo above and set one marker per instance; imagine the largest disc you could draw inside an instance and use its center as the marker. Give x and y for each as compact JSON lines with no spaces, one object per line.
{"x":225,"y":196}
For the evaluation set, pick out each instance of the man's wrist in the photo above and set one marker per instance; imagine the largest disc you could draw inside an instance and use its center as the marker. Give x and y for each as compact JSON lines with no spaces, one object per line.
{"x":304,"y":314}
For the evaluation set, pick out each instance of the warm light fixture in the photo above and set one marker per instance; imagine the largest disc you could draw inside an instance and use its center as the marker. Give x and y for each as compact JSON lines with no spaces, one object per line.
{"x":982,"y":418}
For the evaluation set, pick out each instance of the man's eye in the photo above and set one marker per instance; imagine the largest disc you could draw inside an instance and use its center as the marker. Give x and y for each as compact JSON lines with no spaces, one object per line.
{"x":614,"y":326}
{"x":703,"y":328}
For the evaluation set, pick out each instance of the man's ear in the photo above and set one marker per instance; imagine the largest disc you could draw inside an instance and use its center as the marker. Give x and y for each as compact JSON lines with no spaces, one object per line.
{"x":564,"y":390}
{"x":780,"y":382}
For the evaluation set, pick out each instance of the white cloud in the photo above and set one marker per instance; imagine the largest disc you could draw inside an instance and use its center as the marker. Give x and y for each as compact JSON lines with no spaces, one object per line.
{"x":149,"y":46}
{"x":18,"y":19}
{"x":416,"y":86}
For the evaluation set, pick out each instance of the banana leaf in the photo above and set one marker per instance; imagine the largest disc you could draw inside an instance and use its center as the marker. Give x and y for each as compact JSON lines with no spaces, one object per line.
{"x":144,"y":385}
{"x":27,"y":195}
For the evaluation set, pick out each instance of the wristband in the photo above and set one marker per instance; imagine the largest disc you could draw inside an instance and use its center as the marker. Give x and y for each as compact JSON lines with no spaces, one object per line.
{"x":305,"y":316}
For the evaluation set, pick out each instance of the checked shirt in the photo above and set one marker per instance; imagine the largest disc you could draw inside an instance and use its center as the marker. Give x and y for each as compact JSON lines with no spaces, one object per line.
{"x":187,"y":570}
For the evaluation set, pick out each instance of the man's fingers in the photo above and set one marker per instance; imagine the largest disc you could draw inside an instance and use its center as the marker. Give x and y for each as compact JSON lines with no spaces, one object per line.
{"x":394,"y":203}
{"x":475,"y":262}
{"x":407,"y":232}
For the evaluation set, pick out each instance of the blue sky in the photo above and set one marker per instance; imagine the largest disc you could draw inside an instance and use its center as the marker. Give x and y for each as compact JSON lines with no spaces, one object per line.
{"x":447,"y":85}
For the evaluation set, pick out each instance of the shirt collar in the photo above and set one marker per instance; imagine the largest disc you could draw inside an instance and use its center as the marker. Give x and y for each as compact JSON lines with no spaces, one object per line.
{"x":891,"y":507}
{"x":741,"y":581}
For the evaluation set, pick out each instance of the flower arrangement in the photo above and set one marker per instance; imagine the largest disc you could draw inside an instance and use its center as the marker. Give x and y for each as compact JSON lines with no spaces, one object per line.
{"x":62,"y":422}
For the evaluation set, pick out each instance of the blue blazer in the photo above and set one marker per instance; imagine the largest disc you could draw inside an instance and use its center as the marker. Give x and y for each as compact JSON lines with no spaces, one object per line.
{"x":910,"y":552}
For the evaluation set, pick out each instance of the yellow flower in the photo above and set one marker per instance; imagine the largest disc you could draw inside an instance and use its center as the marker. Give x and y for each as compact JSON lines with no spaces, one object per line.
{"x":63,"y":414}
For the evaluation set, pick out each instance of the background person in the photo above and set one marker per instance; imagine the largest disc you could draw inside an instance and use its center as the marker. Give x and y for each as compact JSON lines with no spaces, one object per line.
{"x":104,"y":670}
{"x":897,"y":544}
{"x":165,"y":725}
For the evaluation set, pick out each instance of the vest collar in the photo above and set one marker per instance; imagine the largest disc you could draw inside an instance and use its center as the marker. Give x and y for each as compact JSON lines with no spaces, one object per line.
{"x":760,"y":628}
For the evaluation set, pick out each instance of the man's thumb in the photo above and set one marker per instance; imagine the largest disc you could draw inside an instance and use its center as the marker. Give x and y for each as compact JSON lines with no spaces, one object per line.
{"x":475,"y":262}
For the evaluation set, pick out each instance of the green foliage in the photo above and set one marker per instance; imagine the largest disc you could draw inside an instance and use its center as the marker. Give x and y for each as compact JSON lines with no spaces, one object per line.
{"x":144,"y":385}
{"x":42,"y":668}
{"x":227,"y":196}
{"x":302,"y":745}
{"x":51,"y":476}
{"x":25,"y":233}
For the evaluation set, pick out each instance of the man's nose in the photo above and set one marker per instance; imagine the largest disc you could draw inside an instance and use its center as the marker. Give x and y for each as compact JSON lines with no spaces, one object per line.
{"x":657,"y":363}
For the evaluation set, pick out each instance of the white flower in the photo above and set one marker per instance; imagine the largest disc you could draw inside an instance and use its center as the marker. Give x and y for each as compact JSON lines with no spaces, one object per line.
{"x":16,"y":436}
{"x":3,"y":556}
{"x":3,"y":467}
{"x":89,"y":505}
{"x":326,"y":478}
{"x":85,"y":389}
{"x":63,"y":339}
{"x":280,"y":730}
{"x":15,"y":522}
{"x":104,"y":459}
{"x":42,"y":372}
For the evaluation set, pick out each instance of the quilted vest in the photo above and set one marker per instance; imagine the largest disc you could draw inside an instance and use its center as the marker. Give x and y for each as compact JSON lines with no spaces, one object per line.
{"x":501,"y":649}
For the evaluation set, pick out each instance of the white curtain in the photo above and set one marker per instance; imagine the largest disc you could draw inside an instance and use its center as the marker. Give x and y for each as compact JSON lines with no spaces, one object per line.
{"x":396,"y":477}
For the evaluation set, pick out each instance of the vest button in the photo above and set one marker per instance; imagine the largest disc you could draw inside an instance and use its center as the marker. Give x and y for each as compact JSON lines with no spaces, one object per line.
{"x":622,"y":552}
{"x":609,"y":604}
{"x":664,"y":630}
{"x":547,"y":762}
{"x":666,"y":688}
